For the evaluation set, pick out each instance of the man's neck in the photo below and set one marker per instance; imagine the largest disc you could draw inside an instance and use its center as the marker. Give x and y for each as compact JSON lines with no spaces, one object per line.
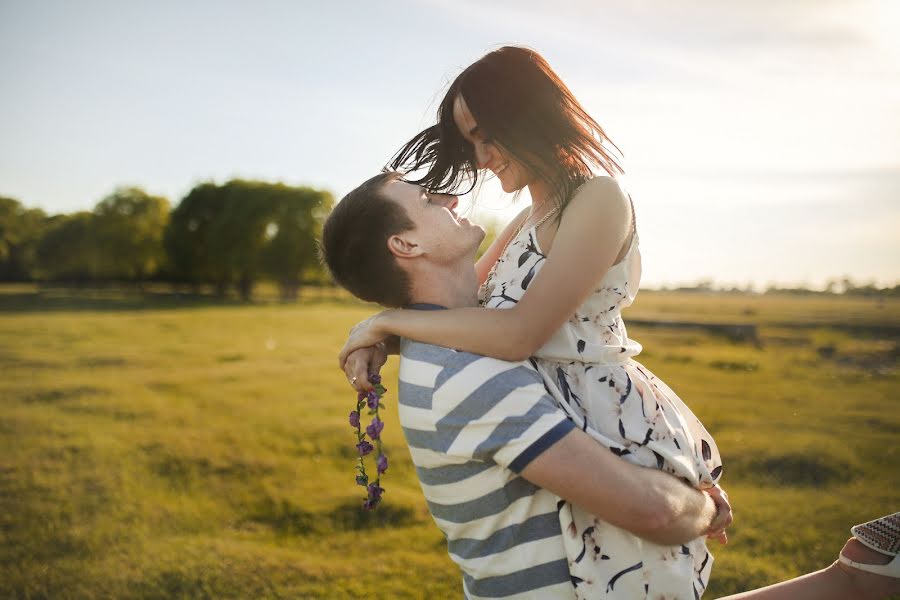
{"x":448,"y":287}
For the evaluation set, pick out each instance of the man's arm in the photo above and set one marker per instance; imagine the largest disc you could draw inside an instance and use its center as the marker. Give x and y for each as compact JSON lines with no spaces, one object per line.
{"x":648,"y":502}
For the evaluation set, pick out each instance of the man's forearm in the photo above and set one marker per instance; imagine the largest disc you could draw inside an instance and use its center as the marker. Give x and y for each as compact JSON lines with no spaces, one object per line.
{"x":648,"y":502}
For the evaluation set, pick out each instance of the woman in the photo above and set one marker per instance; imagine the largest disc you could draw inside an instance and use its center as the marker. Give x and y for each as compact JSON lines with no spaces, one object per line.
{"x":554,"y":284}
{"x":553,"y":287}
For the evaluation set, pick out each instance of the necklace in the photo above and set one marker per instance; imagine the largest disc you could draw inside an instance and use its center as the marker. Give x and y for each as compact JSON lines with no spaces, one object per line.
{"x":488,"y":286}
{"x":521,"y":226}
{"x":549,"y":214}
{"x":487,"y":281}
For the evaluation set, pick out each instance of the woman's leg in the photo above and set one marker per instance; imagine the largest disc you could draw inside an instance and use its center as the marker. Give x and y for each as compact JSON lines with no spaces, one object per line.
{"x":836,"y":582}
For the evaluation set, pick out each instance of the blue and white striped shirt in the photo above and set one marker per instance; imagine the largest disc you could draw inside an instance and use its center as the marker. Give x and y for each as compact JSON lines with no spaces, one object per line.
{"x":472,"y":424}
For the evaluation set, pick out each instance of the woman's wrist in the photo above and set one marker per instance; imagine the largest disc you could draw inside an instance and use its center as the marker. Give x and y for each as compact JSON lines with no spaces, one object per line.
{"x":383,"y":323}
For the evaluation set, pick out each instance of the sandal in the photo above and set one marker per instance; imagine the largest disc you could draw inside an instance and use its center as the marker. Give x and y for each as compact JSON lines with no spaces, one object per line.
{"x":881,"y":535}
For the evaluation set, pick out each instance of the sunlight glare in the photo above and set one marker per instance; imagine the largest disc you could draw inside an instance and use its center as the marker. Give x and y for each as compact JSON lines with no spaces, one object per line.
{"x":885,"y":26}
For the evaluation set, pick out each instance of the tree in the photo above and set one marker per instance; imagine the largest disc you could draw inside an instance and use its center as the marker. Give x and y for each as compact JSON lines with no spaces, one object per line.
{"x":292,"y":233}
{"x":187,"y":238}
{"x":238,"y":234}
{"x":130,"y":225}
{"x":20,"y":231}
{"x":69,"y":250}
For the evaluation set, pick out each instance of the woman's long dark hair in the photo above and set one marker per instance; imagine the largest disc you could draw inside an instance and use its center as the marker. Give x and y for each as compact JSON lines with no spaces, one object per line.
{"x":521,"y":105}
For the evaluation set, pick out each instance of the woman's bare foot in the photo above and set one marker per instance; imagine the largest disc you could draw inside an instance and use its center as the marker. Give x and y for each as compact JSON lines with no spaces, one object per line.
{"x":869,"y":585}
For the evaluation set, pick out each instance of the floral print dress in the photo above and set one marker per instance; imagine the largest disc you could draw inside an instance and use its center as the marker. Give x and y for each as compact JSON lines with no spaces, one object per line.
{"x":588,"y":367}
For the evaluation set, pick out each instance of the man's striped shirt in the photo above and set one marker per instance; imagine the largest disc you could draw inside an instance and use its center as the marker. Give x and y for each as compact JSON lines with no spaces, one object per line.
{"x":472,"y":424}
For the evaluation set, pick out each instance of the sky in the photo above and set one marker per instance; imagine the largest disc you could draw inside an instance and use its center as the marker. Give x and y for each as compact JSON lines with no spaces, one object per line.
{"x":761,"y":137}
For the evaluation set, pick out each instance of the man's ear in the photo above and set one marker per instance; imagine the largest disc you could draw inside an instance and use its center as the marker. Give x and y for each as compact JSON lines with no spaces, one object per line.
{"x":402,"y":247}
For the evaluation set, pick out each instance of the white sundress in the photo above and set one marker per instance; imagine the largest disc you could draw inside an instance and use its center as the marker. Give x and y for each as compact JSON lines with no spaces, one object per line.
{"x":588,"y":367}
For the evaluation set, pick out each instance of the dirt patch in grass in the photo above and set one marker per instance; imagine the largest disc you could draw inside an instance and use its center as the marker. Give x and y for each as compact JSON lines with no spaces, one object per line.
{"x":873,"y":356}
{"x":796,"y":469}
{"x":678,"y":358}
{"x":182,"y":471}
{"x":734,"y":365}
{"x":11,"y":360}
{"x":788,"y":341}
{"x":50,"y":396}
{"x":100,"y":362}
{"x":111,"y":412}
{"x":284,"y":516}
{"x":349,"y":515}
{"x":226,"y":358}
{"x":881,"y":425}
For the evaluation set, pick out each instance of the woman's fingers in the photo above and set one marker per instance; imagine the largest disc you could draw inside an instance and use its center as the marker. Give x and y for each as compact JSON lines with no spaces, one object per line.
{"x":724,"y":517}
{"x":721,"y":536}
{"x":379,"y":357}
{"x":359,"y":363}
{"x":357,"y":368}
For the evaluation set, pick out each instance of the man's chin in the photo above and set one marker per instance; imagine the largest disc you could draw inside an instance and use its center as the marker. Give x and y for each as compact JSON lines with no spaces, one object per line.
{"x":473,"y":251}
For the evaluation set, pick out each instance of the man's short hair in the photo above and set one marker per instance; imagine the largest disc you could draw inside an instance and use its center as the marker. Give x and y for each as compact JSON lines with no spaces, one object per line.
{"x":354,"y":243}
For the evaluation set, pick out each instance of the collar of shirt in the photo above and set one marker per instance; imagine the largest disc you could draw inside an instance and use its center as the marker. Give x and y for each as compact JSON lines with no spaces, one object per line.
{"x":426,"y":306}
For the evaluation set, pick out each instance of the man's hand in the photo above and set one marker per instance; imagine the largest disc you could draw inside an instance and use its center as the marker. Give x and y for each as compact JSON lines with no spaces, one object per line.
{"x":724,"y":517}
{"x":649,"y":503}
{"x":361,"y":362}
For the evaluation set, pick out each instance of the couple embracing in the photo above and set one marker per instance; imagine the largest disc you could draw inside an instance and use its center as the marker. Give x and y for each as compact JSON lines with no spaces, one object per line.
{"x":556,"y":465}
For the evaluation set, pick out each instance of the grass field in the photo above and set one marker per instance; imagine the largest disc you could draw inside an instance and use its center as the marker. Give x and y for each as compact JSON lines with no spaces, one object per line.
{"x":174,"y":448}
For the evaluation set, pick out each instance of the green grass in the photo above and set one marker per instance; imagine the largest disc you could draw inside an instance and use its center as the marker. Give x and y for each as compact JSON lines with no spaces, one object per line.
{"x":157,"y":447}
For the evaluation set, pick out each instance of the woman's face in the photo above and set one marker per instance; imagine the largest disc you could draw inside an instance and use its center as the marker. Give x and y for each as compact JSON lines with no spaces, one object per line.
{"x":512,"y":175}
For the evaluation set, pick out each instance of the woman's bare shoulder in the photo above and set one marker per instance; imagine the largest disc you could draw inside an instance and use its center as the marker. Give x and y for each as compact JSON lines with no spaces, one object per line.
{"x":601,"y":195}
{"x":602,"y":185}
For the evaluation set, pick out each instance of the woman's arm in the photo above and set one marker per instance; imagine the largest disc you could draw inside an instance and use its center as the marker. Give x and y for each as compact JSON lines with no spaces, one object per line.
{"x":492,"y":255}
{"x":593,"y":230}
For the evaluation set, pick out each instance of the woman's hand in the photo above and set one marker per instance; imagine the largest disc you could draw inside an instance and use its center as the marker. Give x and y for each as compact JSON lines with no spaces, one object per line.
{"x":364,"y":334}
{"x":362,"y":362}
{"x":724,"y":517}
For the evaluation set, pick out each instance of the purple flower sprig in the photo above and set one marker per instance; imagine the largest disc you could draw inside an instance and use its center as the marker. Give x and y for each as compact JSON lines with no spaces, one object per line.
{"x":364,"y":447}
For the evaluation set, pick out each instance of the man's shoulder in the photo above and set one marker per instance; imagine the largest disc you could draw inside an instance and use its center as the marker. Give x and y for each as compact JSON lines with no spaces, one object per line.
{"x":443,"y":363}
{"x":420,"y":352}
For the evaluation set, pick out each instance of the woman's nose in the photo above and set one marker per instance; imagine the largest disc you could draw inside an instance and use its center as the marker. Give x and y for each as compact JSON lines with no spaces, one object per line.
{"x":482,"y":155}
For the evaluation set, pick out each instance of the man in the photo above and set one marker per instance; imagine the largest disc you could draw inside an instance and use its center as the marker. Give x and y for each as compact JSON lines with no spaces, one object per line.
{"x":492,"y":451}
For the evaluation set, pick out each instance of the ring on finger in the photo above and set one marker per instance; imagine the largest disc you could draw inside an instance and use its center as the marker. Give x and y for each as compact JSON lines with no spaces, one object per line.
{"x":353,"y":380}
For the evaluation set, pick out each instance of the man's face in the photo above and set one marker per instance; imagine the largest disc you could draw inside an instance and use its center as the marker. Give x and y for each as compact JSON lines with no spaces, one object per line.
{"x":439,"y":233}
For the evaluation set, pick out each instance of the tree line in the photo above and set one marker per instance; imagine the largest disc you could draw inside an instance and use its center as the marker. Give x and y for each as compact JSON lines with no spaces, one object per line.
{"x":226,"y":236}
